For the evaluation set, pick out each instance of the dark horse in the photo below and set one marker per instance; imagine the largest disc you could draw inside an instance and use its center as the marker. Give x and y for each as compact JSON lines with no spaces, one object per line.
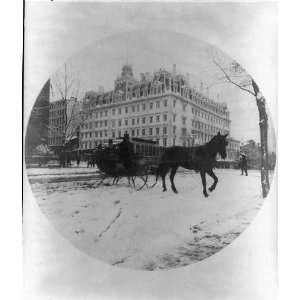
{"x":199,"y":158}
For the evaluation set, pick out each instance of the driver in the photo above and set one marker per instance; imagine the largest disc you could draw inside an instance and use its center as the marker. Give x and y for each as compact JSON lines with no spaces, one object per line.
{"x":126,"y":152}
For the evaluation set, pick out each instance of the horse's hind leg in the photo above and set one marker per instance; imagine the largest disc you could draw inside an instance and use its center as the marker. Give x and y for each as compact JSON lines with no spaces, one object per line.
{"x":215,"y":178}
{"x":202,"y":173}
{"x":172,"y":175}
{"x":163,"y":177}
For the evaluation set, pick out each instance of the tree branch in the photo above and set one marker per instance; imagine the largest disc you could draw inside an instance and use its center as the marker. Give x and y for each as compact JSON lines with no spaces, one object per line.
{"x":231,"y":81}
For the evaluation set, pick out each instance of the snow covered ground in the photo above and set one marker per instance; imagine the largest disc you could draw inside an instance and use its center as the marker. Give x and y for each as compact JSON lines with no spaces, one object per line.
{"x":147,"y":229}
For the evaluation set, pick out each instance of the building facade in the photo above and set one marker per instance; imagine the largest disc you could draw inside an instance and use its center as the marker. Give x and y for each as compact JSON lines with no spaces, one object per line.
{"x":37,"y":128}
{"x":233,"y":149}
{"x":64,"y":122}
{"x":160,"y":107}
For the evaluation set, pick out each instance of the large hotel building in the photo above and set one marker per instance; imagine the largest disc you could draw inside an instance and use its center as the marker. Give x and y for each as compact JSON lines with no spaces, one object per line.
{"x":161,"y":107}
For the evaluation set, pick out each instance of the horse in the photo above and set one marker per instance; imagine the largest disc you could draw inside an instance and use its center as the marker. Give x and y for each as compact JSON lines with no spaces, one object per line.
{"x":198,"y":158}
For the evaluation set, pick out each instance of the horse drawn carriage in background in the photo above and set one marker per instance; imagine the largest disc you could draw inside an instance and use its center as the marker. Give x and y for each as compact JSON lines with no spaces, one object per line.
{"x":136,"y":159}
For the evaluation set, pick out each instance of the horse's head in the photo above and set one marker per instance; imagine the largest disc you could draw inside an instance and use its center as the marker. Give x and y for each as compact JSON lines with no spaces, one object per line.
{"x":220,"y":144}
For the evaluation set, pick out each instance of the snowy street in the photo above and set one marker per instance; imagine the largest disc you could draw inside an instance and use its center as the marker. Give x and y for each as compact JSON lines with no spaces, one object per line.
{"x":147,"y":229}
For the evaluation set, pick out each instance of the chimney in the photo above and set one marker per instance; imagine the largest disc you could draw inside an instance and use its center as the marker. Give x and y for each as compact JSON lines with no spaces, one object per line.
{"x":100,"y":89}
{"x":174,"y":70}
{"x":201,"y":86}
{"x":187,"y":77}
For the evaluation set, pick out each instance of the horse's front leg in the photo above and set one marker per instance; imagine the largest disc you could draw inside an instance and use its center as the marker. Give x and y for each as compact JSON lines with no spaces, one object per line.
{"x":202,"y":173}
{"x":215,"y":178}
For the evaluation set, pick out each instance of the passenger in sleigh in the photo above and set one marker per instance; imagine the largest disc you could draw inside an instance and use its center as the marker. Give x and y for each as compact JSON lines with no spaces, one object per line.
{"x":110,"y":152}
{"x":126,"y":152}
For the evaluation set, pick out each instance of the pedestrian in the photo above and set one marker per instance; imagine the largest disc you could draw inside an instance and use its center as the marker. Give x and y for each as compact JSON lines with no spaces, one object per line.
{"x":78,"y":158}
{"x":243,"y":164}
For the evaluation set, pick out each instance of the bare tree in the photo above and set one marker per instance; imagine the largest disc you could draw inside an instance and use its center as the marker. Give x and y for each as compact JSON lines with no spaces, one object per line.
{"x":234,"y":74}
{"x":66,"y":83}
{"x":65,"y":86}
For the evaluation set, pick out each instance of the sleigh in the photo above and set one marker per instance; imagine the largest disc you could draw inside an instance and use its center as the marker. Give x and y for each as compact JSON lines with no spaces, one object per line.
{"x":140,"y":173}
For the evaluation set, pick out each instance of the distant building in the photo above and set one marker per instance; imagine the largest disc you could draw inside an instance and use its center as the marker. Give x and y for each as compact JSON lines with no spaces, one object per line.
{"x":64,"y":122}
{"x":161,"y":107}
{"x":252,"y":151}
{"x":37,"y":128}
{"x":233,"y":149}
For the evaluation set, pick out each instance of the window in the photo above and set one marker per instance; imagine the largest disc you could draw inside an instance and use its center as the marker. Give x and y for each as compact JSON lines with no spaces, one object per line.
{"x":126,"y":110}
{"x":174,"y":129}
{"x":157,"y":119}
{"x":183,"y":121}
{"x":106,"y":113}
{"x":120,"y":111}
{"x":132,"y":121}
{"x":157,"y":130}
{"x":166,"y":102}
{"x":113,"y":123}
{"x":143,"y":120}
{"x":137,"y":132}
{"x":138,"y":120}
{"x":120,"y":123}
{"x":151,"y":119}
{"x":126,"y":122}
{"x":157,"y":104}
{"x":165,"y":142}
{"x":150,"y":131}
{"x":133,"y":109}
{"x":151,"y":105}
{"x":113,"y":111}
{"x":174,"y":118}
{"x":113,"y":134}
{"x":165,"y":130}
{"x":165,"y":117}
{"x":143,"y":131}
{"x":144,"y":106}
{"x":183,"y":131}
{"x":174,"y":103}
{"x":138,"y":108}
{"x":105,"y":123}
